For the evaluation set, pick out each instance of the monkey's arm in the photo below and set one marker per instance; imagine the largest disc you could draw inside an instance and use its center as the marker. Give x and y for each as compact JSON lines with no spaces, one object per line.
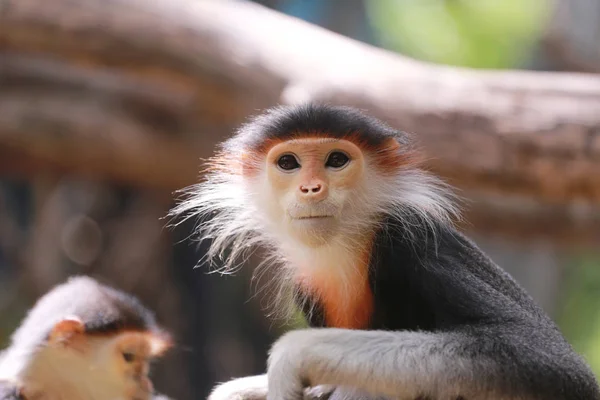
{"x":9,"y":391}
{"x":394,"y":364}
{"x":160,"y":396}
{"x":255,"y":388}
{"x":247,"y":388}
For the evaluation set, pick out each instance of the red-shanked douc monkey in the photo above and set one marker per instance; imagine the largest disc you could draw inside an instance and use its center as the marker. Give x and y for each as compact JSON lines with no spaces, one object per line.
{"x":83,"y":341}
{"x":401,"y":305}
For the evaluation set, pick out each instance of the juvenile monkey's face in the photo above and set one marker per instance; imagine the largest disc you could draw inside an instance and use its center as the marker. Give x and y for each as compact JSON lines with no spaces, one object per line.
{"x":95,"y":367}
{"x":132,"y":354}
{"x":126,"y":358}
{"x":312,"y":182}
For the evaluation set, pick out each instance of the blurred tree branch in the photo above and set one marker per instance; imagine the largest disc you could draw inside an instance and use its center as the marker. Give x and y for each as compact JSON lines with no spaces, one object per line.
{"x":137,"y":91}
{"x":571,"y":38}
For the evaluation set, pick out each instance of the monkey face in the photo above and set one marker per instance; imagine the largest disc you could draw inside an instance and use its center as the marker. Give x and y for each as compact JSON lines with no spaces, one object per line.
{"x":133,"y":352}
{"x":131,"y":355}
{"x":310,"y":184}
{"x":126,"y":358}
{"x":94,"y":366}
{"x":117,"y":364}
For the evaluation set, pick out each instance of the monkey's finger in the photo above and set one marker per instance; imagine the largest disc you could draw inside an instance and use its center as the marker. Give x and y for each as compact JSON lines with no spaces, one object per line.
{"x":248,"y":388}
{"x":9,"y":391}
{"x":321,"y":392}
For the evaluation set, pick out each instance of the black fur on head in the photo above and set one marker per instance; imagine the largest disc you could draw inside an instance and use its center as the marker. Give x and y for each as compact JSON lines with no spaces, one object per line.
{"x":286,"y":122}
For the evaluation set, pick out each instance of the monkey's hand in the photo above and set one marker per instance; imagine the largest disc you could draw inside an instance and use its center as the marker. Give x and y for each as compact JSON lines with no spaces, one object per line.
{"x":9,"y":391}
{"x":310,"y":364}
{"x":401,"y":364}
{"x":321,"y":392}
{"x":248,"y":388}
{"x":286,"y":366}
{"x":256,"y":387}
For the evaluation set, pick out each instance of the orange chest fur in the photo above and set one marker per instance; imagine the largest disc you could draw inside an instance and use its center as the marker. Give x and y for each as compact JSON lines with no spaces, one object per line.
{"x":346,"y":302}
{"x":352,"y":310}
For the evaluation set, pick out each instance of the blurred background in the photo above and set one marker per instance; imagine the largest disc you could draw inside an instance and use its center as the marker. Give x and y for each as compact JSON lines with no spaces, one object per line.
{"x":58,"y":221}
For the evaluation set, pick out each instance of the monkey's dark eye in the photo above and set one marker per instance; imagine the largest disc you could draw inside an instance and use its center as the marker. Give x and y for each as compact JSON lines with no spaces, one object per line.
{"x":287,"y":162}
{"x":337,"y":159}
{"x":128,"y":357}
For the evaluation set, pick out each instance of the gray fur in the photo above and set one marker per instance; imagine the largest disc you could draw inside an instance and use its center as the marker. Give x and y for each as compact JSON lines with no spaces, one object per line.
{"x":448,"y":324}
{"x":402,"y":365}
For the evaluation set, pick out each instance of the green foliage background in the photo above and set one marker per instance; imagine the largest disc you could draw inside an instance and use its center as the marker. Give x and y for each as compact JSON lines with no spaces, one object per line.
{"x":473,"y":33}
{"x":579,"y":315}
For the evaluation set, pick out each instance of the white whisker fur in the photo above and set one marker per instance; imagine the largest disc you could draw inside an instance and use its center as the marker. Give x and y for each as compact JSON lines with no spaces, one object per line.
{"x":399,"y":303}
{"x":237,"y":215}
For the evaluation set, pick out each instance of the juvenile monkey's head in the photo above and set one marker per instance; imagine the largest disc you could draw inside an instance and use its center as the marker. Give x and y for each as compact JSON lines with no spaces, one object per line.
{"x":84,"y":340}
{"x":310,"y":177}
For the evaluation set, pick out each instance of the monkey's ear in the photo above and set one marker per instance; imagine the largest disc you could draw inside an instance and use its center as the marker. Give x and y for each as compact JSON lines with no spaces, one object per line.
{"x":160,"y":344}
{"x":64,"y":330}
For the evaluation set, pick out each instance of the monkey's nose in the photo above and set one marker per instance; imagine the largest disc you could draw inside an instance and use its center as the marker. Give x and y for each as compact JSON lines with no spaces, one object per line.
{"x":308,"y":189}
{"x":313,"y":191}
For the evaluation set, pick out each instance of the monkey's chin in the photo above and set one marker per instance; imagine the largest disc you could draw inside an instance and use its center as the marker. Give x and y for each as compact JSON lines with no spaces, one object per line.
{"x":314,"y":231}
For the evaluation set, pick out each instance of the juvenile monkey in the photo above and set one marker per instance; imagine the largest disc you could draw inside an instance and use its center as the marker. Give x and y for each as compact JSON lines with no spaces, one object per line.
{"x":83,"y":340}
{"x":401,"y":305}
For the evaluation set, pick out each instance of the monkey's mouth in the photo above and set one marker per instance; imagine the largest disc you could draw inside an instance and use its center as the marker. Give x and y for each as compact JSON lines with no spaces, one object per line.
{"x":314,"y":223}
{"x":315,"y":217}
{"x":320,"y":213}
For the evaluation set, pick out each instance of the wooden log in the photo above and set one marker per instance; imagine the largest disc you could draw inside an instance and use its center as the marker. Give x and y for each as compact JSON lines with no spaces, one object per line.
{"x":133,"y":84}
